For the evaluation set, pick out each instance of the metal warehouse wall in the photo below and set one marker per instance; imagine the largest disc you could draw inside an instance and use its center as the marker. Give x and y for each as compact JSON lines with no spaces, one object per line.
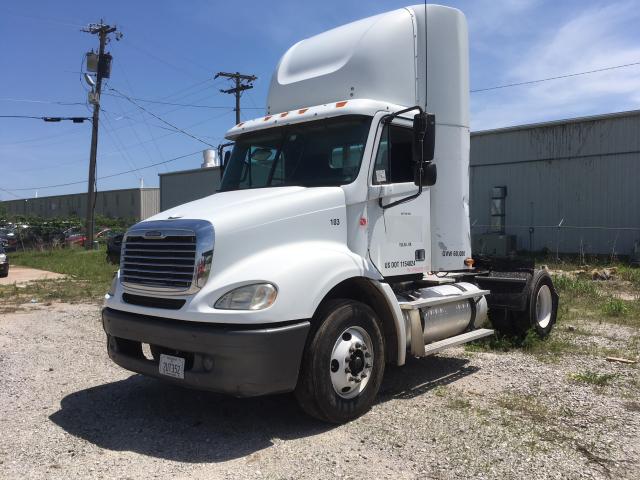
{"x":177,"y":188}
{"x":582,"y":172}
{"x":132,"y":203}
{"x":149,"y":202}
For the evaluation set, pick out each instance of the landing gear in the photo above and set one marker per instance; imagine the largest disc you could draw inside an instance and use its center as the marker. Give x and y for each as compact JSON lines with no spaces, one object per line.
{"x":343,"y":364}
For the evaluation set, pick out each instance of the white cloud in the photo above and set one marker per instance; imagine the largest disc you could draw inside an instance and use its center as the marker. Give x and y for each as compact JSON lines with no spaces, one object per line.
{"x":596,"y":38}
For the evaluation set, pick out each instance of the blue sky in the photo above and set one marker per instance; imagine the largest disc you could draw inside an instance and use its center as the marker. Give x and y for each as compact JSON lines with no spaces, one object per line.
{"x":171,"y":50}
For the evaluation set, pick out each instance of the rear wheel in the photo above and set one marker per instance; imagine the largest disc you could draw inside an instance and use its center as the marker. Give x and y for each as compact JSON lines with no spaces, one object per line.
{"x":542,"y":306}
{"x":343,"y":364}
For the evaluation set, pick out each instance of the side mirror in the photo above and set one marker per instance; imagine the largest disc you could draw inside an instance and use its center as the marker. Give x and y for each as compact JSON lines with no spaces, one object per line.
{"x":429,"y":174}
{"x":424,"y":135}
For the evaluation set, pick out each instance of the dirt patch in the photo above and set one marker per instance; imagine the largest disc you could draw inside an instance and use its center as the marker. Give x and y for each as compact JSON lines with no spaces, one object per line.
{"x":22,"y":275}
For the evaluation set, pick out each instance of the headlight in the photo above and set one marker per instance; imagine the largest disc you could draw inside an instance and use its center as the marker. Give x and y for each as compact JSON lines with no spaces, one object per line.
{"x":114,"y":284}
{"x":3,"y":258}
{"x":249,"y":297}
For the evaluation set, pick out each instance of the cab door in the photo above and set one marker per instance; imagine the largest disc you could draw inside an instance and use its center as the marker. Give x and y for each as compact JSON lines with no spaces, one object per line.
{"x":399,"y":237}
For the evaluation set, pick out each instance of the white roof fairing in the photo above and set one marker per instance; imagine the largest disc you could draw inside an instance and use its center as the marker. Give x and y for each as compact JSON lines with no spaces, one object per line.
{"x":380,"y":59}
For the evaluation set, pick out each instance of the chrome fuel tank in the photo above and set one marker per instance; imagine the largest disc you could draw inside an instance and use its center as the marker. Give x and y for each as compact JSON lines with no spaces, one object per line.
{"x":451,"y":318}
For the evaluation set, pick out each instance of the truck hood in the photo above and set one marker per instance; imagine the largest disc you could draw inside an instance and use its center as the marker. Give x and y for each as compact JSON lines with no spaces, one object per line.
{"x":248,"y":209}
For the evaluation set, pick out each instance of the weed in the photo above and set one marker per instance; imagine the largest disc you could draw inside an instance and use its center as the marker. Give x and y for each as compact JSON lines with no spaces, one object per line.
{"x":593,"y":378}
{"x":529,"y":406}
{"x":575,"y":286}
{"x":615,"y":307}
{"x":458,"y":403}
{"x":440,"y":391}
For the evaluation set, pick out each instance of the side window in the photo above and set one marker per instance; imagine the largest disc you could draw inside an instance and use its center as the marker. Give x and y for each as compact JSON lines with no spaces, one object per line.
{"x":394,"y":160}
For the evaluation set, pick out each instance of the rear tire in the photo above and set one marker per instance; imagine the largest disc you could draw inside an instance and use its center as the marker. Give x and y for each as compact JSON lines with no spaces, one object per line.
{"x":542,"y":306}
{"x":343,"y":364}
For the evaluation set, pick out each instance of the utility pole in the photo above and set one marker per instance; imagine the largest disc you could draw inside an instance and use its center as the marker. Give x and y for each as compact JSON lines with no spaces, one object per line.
{"x":103,"y":69}
{"x":239,"y":80}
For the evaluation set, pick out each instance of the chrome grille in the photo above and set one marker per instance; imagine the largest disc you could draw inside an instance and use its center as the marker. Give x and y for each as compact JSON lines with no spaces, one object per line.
{"x":159,"y":258}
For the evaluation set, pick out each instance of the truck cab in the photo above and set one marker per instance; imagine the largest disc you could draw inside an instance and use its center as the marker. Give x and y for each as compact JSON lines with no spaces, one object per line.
{"x":339,"y":241}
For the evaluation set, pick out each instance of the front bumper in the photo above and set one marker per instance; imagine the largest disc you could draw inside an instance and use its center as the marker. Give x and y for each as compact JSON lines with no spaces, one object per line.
{"x":237,"y":360}
{"x":4,"y":268}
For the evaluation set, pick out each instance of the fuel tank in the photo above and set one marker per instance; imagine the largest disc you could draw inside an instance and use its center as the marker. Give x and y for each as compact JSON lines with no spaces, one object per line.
{"x":450,"y":318}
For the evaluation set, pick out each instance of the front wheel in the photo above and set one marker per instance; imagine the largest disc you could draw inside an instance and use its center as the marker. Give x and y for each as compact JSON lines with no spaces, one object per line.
{"x":343,"y":365}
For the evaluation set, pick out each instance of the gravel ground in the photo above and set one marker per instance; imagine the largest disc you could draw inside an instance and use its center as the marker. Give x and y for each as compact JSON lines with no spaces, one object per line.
{"x":67,"y":412}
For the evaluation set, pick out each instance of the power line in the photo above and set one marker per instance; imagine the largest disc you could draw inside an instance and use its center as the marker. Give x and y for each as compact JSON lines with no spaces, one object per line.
{"x":49,"y":119}
{"x":199,"y":152}
{"x":159,"y":102}
{"x":25,"y":100}
{"x":160,"y":118}
{"x":530,"y":82}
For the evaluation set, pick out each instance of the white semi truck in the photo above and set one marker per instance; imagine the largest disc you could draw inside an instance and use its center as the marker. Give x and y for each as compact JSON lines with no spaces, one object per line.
{"x":339,"y":241}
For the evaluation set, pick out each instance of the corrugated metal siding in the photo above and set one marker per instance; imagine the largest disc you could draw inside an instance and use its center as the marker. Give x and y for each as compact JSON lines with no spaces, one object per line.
{"x":150,"y":202}
{"x":124,"y":203}
{"x":583,"y":172}
{"x":177,"y":188}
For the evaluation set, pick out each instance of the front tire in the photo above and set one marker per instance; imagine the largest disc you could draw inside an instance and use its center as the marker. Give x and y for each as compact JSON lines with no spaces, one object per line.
{"x":343,"y":364}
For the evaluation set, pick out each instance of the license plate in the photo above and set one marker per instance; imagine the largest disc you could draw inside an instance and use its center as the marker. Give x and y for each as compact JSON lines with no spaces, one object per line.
{"x":171,"y":366}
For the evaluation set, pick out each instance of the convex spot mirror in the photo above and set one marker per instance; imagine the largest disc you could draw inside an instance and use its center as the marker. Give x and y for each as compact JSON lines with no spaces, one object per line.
{"x":424,"y":140}
{"x":424,"y":135}
{"x":429,"y":174}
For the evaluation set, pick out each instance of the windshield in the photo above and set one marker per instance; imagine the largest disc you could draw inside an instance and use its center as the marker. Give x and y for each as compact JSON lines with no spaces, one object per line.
{"x":321,"y":153}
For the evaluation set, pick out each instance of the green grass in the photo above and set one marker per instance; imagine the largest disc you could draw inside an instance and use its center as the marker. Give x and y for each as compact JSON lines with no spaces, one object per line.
{"x":575,"y":286}
{"x":593,"y":378}
{"x":615,"y":307}
{"x":88,"y":277}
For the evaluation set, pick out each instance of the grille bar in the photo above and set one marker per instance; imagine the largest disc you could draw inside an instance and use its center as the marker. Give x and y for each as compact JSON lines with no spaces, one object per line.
{"x":159,"y":262}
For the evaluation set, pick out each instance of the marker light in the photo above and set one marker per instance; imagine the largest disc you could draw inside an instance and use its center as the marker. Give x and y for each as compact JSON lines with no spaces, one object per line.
{"x":468,"y":262}
{"x":250,"y":297}
{"x":302,"y":110}
{"x":341,"y":104}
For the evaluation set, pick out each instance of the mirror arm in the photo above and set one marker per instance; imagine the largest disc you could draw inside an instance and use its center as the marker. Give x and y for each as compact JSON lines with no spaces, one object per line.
{"x":388,"y":118}
{"x":419,"y":192}
{"x":402,"y":200}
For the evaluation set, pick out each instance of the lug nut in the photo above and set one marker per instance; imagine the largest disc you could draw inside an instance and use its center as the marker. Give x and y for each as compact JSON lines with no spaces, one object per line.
{"x":352,"y":349}
{"x":368,"y":365}
{"x":367,"y":354}
{"x":363,"y":375}
{"x":347,"y":370}
{"x":352,"y":379}
{"x":364,"y":347}
{"x":358,"y":345}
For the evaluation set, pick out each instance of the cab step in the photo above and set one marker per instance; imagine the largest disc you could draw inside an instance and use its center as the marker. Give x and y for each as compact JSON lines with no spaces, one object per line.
{"x":436,"y":347}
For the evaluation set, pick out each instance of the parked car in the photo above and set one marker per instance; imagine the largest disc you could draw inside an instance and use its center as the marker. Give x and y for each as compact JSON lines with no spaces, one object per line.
{"x":8,"y":238}
{"x":114,"y":245}
{"x":4,"y":263}
{"x":77,"y":238}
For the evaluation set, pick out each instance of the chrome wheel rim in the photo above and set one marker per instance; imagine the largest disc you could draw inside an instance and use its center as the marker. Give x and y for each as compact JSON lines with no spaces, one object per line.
{"x":543,"y":306}
{"x":351,"y":362}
